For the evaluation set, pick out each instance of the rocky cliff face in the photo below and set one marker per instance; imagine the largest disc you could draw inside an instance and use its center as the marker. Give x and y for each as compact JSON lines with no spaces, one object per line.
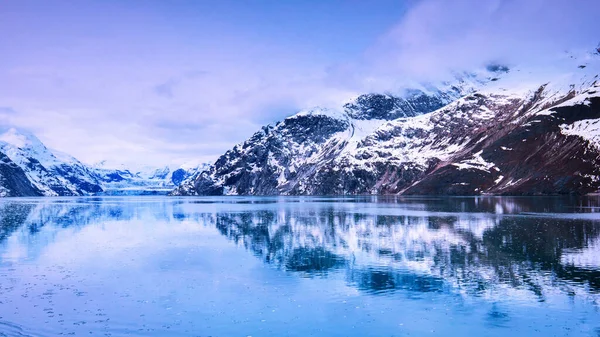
{"x":518,"y":134}
{"x":13,"y":181}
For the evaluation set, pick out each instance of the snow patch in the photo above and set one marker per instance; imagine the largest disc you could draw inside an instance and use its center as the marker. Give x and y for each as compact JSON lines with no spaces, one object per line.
{"x":588,"y":129}
{"x":477,"y":163}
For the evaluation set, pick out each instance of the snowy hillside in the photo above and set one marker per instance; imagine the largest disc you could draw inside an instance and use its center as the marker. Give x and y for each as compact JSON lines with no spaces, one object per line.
{"x":526,"y":131}
{"x":51,"y":172}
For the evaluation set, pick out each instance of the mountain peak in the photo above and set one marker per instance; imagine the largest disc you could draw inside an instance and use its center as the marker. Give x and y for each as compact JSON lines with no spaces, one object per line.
{"x":20,"y":138}
{"x":319,"y":111}
{"x":20,"y":145}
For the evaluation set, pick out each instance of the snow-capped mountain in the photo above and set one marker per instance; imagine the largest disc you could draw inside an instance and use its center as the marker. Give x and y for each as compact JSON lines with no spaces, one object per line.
{"x":119,"y":179}
{"x":525,"y":131}
{"x":51,"y":173}
{"x":29,"y":168}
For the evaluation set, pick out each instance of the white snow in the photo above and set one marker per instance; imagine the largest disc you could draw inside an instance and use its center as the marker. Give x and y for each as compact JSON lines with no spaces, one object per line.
{"x":588,"y":129}
{"x":19,"y":145}
{"x":477,"y":163}
{"x":334,"y":113}
{"x":12,"y":136}
{"x":144,"y":177}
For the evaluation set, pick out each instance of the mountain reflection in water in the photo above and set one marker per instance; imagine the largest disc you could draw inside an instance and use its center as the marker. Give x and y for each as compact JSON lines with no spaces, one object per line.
{"x":470,"y":253}
{"x":497,"y":249}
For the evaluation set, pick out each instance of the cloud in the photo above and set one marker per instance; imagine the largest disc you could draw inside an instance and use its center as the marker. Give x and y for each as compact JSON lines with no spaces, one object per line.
{"x":438,"y":36}
{"x":193,"y":74}
{"x":166,"y":89}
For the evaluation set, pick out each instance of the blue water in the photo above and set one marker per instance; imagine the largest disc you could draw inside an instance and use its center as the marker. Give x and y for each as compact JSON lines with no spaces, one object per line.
{"x":291,"y":266}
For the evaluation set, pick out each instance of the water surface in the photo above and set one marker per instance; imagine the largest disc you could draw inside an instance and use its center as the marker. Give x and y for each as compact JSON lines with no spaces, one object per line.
{"x":300,"y":266}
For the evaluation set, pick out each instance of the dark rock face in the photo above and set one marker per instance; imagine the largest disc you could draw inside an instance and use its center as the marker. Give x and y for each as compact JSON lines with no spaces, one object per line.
{"x":13,"y":181}
{"x":377,"y":106}
{"x":541,"y":160}
{"x":388,"y":107}
{"x":179,"y":176}
{"x":497,"y":68}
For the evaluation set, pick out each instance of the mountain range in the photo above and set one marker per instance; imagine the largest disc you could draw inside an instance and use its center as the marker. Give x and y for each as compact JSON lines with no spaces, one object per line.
{"x":504,"y":131}
{"x":29,"y":168}
{"x":499,"y":130}
{"x":121,"y":180}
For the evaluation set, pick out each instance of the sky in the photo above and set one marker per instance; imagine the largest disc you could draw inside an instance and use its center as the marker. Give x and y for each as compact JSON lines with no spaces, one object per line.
{"x":169,"y":82}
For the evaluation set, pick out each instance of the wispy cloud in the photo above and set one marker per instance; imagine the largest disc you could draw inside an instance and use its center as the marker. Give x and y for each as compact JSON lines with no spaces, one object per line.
{"x":439,"y":36}
{"x":165,"y":89}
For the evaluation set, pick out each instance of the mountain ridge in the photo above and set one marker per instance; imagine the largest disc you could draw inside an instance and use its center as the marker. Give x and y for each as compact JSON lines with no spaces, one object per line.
{"x":453,"y":149}
{"x":506,"y":131}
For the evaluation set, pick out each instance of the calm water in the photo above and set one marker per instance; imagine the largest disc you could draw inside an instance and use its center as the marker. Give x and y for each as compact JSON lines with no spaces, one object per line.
{"x":158,"y":266}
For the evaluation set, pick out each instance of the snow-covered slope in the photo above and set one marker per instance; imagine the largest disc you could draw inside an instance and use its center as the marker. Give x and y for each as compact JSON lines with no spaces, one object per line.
{"x":527,"y":131}
{"x":51,"y":172}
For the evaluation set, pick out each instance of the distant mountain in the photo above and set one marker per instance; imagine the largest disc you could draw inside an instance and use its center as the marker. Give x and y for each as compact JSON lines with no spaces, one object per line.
{"x":29,"y":168}
{"x":534,"y":131}
{"x":120,"y":180}
{"x":52,"y":173}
